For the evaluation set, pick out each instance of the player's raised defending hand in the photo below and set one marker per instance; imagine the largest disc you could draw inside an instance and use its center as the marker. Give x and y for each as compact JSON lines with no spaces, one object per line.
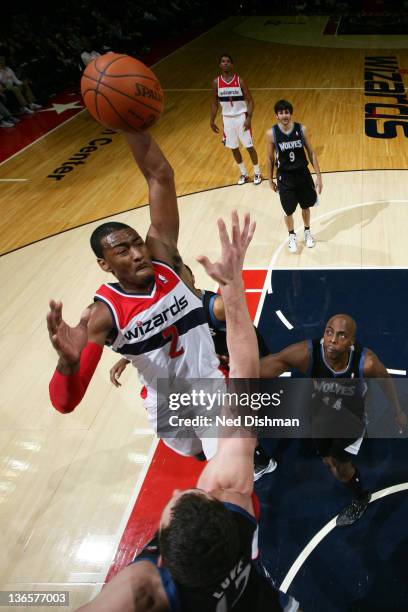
{"x":68,"y":341}
{"x":228,"y":269}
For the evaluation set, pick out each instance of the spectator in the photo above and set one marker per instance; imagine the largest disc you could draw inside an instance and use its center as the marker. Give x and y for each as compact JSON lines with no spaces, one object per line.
{"x":88,"y":54}
{"x":19,"y":89}
{"x":6,"y":118}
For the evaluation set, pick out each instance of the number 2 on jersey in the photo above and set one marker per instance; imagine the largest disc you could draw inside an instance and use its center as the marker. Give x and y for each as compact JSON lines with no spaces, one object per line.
{"x":172,"y":332}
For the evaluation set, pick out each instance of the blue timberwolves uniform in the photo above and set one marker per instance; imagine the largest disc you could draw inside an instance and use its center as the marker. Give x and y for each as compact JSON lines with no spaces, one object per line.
{"x":243,"y":589}
{"x":295,"y":182}
{"x":218,"y":328}
{"x":338,"y":405}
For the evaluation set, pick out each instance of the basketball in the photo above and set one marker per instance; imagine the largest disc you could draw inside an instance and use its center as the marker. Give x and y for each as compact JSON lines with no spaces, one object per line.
{"x":121,"y":93}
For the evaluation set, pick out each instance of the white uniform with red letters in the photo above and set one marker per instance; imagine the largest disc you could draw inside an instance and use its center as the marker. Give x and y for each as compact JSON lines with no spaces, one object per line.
{"x":234,"y":111}
{"x":165,"y":335}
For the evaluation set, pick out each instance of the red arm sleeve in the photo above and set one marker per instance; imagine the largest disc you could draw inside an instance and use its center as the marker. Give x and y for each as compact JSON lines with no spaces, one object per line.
{"x":67,"y":391}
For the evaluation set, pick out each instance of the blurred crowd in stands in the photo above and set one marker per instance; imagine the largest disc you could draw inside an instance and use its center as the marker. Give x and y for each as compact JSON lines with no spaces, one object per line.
{"x":42,"y":52}
{"x":331,"y":8}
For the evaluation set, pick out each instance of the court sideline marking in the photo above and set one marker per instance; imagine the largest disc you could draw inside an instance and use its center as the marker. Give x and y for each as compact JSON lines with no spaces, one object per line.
{"x":126,"y":515}
{"x":320,"y":535}
{"x":268,"y":281}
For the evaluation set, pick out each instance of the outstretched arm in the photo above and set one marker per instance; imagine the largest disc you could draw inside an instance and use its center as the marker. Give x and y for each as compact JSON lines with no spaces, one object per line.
{"x":294,"y":356}
{"x":374,"y":368}
{"x":228,"y":273}
{"x":230,"y":472}
{"x":79,"y":350}
{"x":164,"y":217}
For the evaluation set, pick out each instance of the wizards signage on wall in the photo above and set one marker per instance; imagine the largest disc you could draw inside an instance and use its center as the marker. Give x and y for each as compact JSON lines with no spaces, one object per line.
{"x":386,"y":109}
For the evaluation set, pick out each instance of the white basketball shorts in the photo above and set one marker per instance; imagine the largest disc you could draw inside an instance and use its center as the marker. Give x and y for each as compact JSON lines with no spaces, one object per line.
{"x":234,"y":132}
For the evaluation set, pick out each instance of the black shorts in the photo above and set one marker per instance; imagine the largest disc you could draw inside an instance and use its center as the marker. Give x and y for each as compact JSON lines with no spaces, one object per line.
{"x":335,"y":447}
{"x":296,"y":187}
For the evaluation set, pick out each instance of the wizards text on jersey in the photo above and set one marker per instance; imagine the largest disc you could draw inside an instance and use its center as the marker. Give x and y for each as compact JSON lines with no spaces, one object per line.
{"x":140,"y":328}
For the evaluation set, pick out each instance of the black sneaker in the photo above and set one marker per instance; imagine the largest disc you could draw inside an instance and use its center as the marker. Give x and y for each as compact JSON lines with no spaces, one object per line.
{"x":353,"y":512}
{"x":262,"y":469}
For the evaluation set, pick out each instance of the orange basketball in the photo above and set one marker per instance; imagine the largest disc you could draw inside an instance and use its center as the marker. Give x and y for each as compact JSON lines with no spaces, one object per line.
{"x":121,"y":93}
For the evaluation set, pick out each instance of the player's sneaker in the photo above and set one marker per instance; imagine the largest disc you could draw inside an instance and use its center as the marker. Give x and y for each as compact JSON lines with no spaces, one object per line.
{"x":243,"y":179}
{"x":260,"y":469}
{"x":353,"y":512}
{"x":292,"y":243}
{"x":257,"y":178}
{"x":309,"y":240}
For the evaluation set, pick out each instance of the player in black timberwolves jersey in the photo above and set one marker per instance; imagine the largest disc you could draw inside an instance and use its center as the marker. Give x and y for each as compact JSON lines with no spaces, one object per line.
{"x":206,"y":533}
{"x":337,"y":356}
{"x":286,"y":144}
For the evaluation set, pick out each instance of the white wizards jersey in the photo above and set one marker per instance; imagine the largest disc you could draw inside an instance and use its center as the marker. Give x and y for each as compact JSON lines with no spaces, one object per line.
{"x":231,"y":96}
{"x":163,"y":333}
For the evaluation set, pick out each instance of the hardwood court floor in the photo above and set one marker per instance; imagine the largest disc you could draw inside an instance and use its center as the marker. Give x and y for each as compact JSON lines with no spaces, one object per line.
{"x":67,"y":482}
{"x":326,"y":87}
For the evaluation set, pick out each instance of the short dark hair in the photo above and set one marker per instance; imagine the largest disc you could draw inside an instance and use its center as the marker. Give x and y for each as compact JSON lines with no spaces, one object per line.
{"x":282,"y":105}
{"x":225,"y":55}
{"x":101,"y":232}
{"x":199,"y":546}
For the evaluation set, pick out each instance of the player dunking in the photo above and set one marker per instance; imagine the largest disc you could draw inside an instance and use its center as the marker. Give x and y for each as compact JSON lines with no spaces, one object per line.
{"x":237,"y":107}
{"x":150,"y":316}
{"x":201,"y":559}
{"x":286,"y":144}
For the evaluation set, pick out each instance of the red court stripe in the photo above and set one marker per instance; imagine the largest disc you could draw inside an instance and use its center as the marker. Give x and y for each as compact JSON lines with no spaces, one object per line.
{"x":168,"y":471}
{"x":254,"y":279}
{"x":253,"y":301}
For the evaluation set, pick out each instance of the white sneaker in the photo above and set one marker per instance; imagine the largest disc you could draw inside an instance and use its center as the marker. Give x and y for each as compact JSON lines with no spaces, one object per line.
{"x":26,"y":110}
{"x":242,"y":179}
{"x":309,"y":240}
{"x":260,"y":470}
{"x":257,"y":178}
{"x":6,"y":124}
{"x":34,"y":106}
{"x":292,"y":243}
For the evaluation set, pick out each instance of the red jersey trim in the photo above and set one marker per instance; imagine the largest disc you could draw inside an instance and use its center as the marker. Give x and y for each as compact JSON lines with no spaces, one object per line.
{"x":124,"y":306}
